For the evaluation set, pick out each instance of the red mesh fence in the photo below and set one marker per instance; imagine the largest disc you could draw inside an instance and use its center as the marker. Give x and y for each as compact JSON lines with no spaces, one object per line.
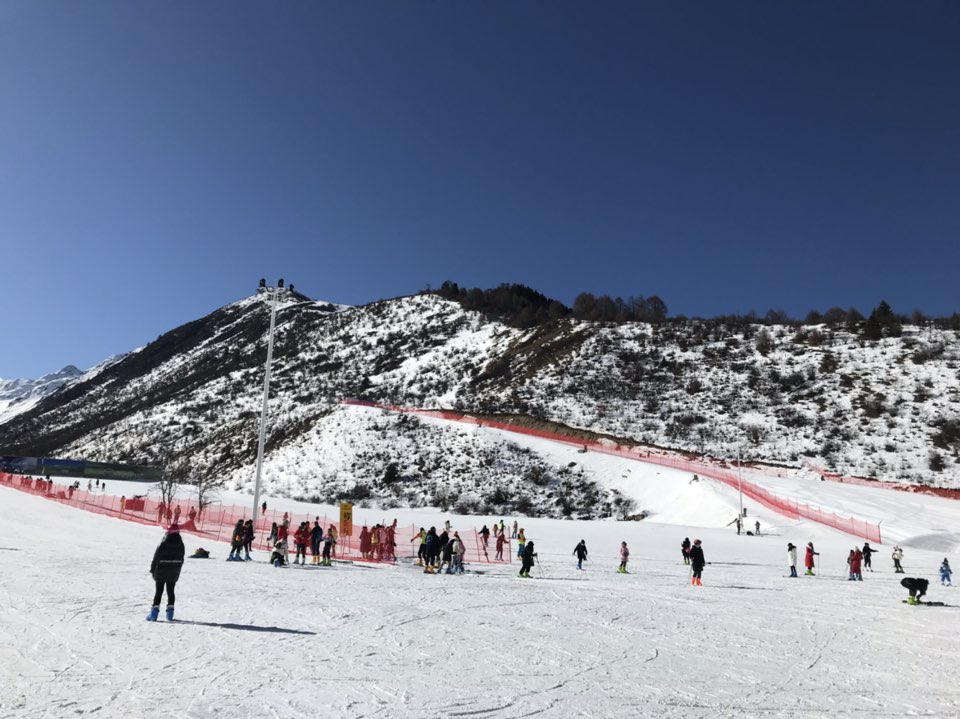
{"x":898,"y":486}
{"x":380,"y":542}
{"x":768,"y":499}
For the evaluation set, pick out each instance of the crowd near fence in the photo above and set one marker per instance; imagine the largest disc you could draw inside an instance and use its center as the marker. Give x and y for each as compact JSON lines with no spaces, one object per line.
{"x":786,"y":507}
{"x":216,"y":522}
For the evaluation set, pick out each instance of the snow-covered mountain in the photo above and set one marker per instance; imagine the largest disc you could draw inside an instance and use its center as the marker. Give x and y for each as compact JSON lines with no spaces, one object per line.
{"x":888,"y":408}
{"x":19,"y":395}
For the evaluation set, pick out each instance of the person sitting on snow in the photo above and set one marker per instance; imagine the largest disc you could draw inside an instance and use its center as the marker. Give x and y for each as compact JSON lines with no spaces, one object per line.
{"x":279,"y":556}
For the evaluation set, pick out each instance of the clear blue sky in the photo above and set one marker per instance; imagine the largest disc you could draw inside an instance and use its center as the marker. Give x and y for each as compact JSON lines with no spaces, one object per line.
{"x":158,"y":158}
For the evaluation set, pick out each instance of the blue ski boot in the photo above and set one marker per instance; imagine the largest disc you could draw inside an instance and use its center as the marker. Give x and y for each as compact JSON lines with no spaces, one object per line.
{"x":169,"y":612}
{"x":154,"y":613}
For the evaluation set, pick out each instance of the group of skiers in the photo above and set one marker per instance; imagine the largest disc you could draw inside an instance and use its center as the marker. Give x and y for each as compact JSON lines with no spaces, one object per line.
{"x":438,"y":550}
{"x":446,"y":549}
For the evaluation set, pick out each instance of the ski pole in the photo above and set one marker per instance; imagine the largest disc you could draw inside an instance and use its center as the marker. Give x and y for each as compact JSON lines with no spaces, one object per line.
{"x":537,"y":560}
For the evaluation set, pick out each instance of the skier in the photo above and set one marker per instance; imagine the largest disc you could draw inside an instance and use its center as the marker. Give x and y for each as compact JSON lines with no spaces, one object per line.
{"x":792,"y":558}
{"x":739,"y":522}
{"x":329,"y":542}
{"x":897,"y":556}
{"x":521,"y":540}
{"x":422,"y":550}
{"x":446,"y":554}
{"x":581,"y":552}
{"x":685,"y":549}
{"x":248,"y":535}
{"x":696,"y":561}
{"x":917,"y":588}
{"x":853,"y":559}
{"x":430,"y":552}
{"x":624,"y":556}
{"x":513,"y":534}
{"x":272,"y":539}
{"x":808,"y":559}
{"x":757,"y":527}
{"x":316,"y":536}
{"x":485,"y":534}
{"x":165,"y":570}
{"x":501,"y":540}
{"x":300,"y":539}
{"x":236,"y":542}
{"x":263,"y":507}
{"x":867,"y":553}
{"x":278,"y":557}
{"x":945,"y":573}
{"x":456,"y":553}
{"x":527,"y":559}
{"x":284,"y":528}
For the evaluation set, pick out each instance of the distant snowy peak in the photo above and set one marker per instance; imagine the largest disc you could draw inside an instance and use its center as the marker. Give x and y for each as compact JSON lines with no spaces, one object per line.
{"x":19,"y":395}
{"x":12,"y":389}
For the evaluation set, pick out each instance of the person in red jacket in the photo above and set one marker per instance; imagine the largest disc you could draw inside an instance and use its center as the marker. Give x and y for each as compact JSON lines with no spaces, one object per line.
{"x":808,"y":559}
{"x":854,"y":559}
{"x":301,"y":537}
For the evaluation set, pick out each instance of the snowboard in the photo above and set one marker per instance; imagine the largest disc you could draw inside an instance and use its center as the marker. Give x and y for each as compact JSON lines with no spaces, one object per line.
{"x":926,"y":604}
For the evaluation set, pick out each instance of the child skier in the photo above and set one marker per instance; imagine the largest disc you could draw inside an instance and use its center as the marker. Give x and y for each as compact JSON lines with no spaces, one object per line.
{"x":527,"y":559}
{"x":581,"y":553}
{"x":897,"y":556}
{"x":624,"y":556}
{"x":867,"y":553}
{"x":792,"y":559}
{"x":165,"y":570}
{"x":685,"y":549}
{"x":917,"y":588}
{"x":696,"y":561}
{"x":808,"y":559}
{"x":329,"y":542}
{"x":945,"y":573}
{"x":521,"y":540}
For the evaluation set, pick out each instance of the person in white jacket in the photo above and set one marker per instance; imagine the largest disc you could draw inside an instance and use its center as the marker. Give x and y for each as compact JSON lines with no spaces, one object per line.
{"x":456,"y":555}
{"x":792,"y":558}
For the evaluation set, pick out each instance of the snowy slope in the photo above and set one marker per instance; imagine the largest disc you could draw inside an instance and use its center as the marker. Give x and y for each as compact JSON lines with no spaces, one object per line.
{"x":254,"y":641}
{"x":888,"y":409}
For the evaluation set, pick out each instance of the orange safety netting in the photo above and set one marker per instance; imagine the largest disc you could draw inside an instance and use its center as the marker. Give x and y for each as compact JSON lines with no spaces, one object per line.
{"x":379,"y":542}
{"x":768,"y":499}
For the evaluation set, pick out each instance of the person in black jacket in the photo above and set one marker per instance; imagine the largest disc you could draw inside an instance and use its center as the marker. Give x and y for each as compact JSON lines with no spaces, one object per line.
{"x":165,"y":569}
{"x":685,"y":549}
{"x":696,"y":563}
{"x":867,"y":552}
{"x":527,"y":560}
{"x":581,"y":552}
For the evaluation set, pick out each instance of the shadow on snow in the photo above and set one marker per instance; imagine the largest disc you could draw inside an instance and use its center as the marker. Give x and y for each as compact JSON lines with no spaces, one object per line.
{"x":244,"y":627}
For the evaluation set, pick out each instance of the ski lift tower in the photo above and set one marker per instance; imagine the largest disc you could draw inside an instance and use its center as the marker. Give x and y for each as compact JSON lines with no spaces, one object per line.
{"x":273,"y":296}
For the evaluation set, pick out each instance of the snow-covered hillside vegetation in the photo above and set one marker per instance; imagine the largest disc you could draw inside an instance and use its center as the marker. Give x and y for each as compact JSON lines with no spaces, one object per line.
{"x":889,"y":408}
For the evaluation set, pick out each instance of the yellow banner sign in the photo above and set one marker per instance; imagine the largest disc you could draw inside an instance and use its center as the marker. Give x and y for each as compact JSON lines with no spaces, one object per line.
{"x":346,"y":519}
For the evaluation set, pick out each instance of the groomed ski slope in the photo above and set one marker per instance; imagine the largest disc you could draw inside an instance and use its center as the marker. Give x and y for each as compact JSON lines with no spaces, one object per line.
{"x":352,"y":641}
